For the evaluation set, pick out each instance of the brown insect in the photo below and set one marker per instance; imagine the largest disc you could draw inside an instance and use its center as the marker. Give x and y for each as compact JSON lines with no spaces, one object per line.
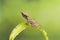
{"x":31,"y":21}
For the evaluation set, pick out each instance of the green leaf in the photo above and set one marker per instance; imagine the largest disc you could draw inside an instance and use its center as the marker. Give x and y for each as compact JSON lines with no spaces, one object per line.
{"x":18,"y":29}
{"x":44,"y":33}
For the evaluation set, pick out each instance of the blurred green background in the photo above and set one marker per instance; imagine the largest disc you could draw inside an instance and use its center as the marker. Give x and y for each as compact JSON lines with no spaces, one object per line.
{"x":46,"y":12}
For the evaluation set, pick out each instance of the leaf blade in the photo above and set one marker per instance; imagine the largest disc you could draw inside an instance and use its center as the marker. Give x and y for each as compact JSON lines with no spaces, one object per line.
{"x":18,"y":29}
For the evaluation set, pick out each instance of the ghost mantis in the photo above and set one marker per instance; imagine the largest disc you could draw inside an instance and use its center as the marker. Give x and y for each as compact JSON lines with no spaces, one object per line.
{"x":30,"y":22}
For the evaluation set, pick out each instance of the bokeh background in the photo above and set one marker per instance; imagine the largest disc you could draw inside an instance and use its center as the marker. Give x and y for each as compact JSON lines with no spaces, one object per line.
{"x":46,"y":12}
